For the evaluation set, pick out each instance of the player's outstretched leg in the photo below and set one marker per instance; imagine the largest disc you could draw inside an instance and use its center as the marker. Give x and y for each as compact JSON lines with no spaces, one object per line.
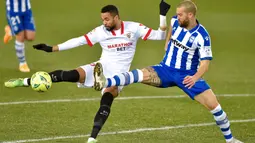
{"x":56,"y":76}
{"x":121,"y":79}
{"x":209,"y":100}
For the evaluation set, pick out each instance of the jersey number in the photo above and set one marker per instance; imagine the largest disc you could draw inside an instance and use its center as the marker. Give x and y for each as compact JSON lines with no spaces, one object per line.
{"x":15,"y":20}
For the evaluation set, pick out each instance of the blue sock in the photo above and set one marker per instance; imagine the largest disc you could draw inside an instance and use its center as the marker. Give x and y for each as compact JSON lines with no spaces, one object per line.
{"x":222,"y":121}
{"x":20,"y":51}
{"x":125,"y":78}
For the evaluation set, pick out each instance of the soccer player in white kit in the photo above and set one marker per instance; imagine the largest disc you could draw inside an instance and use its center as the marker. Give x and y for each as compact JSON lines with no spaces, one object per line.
{"x":118,"y":40}
{"x":187,"y":58}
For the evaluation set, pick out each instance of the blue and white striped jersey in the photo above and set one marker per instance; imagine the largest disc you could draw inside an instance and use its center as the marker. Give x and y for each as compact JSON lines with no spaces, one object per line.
{"x":18,"y":6}
{"x":187,"y":47}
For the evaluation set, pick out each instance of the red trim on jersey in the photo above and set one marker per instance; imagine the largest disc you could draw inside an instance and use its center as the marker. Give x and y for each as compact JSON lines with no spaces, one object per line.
{"x":113,"y":33}
{"x":147,"y":34}
{"x":122,"y":27}
{"x":88,"y":41}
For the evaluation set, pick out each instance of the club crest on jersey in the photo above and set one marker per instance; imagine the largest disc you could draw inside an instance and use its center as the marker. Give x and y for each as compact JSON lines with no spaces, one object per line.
{"x":191,"y":39}
{"x":128,"y":35}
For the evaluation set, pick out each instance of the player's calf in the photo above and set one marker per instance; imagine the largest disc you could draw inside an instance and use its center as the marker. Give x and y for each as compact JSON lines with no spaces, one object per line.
{"x":222,"y":121}
{"x":102,"y":114}
{"x":68,"y":76}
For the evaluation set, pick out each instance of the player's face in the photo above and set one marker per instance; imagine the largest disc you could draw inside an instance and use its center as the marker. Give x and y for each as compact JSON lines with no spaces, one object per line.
{"x":182,"y":17}
{"x":109,"y":21}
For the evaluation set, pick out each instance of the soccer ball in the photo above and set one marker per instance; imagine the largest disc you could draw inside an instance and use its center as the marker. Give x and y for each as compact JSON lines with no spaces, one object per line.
{"x":41,"y":81}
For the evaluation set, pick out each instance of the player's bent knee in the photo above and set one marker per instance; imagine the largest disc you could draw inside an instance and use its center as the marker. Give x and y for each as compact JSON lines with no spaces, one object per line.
{"x":113,"y":90}
{"x":208,"y":99}
{"x":29,"y":35}
{"x":20,"y":36}
{"x":30,"y":38}
{"x":82,"y":75}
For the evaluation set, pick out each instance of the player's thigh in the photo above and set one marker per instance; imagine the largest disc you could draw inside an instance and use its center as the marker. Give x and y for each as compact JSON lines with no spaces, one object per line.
{"x":208,"y":99}
{"x":199,"y":87}
{"x":29,"y":25}
{"x":158,"y":76}
{"x":15,"y":22}
{"x":29,"y":35}
{"x":86,"y":75}
{"x":150,"y":77}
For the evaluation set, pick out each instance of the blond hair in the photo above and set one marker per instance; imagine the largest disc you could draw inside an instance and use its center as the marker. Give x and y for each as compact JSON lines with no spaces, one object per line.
{"x":189,"y":6}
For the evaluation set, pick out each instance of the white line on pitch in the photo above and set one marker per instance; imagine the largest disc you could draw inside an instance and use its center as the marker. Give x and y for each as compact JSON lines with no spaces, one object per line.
{"x":119,"y":98}
{"x":127,"y":131}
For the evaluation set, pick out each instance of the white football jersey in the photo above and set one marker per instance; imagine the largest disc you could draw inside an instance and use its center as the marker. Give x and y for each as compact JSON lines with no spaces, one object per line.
{"x":118,"y":47}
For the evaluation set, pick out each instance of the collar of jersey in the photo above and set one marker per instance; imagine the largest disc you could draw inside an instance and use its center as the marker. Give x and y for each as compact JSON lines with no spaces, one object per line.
{"x":121,"y":28}
{"x":195,"y":28}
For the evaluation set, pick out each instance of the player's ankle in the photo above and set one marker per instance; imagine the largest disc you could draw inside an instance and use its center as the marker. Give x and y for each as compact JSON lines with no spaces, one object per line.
{"x":26,"y":81}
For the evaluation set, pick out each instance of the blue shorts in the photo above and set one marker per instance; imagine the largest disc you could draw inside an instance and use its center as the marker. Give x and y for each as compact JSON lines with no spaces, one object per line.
{"x":20,"y":21}
{"x":173,"y":77}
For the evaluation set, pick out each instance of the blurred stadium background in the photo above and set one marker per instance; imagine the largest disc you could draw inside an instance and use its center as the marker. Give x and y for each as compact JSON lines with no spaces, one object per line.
{"x":231,"y":27}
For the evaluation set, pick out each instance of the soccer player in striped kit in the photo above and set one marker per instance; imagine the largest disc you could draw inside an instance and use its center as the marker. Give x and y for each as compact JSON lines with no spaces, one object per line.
{"x":21,"y":25}
{"x":187,"y":58}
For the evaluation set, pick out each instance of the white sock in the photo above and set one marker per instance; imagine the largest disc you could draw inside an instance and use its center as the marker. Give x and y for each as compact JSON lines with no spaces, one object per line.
{"x":20,"y":51}
{"x":25,"y":81}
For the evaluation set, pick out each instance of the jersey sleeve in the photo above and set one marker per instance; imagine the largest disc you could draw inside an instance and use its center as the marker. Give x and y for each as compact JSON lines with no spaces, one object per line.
{"x":204,"y":46}
{"x":147,"y":33}
{"x":143,"y":31}
{"x":94,"y":36}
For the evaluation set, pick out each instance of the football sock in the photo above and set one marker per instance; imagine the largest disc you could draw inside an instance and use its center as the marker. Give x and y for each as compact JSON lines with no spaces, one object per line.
{"x":126,"y":78}
{"x":102,"y":113}
{"x":59,"y":76}
{"x":222,"y":121}
{"x":20,"y":51}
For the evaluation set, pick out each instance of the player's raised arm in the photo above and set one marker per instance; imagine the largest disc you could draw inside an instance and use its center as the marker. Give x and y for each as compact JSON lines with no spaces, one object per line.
{"x":90,"y":38}
{"x":168,"y":37}
{"x":173,"y":23}
{"x":160,"y":34}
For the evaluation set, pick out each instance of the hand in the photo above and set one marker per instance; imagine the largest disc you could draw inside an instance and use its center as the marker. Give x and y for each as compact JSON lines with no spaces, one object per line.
{"x":163,"y":8}
{"x":189,"y":81}
{"x":43,"y":47}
